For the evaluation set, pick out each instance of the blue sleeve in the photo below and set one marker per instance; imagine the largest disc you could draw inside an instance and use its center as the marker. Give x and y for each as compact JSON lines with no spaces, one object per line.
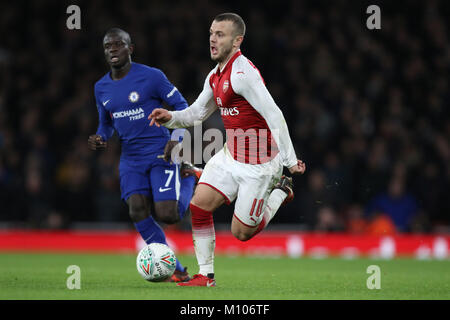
{"x":105,"y":128}
{"x":168,"y":93}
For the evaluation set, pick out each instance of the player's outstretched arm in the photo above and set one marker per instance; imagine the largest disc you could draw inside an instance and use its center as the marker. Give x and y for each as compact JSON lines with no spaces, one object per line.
{"x":199,"y":111}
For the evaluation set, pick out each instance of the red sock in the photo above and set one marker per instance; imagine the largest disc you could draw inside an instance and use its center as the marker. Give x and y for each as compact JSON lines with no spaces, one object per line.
{"x":204,"y":238}
{"x":202,"y":221}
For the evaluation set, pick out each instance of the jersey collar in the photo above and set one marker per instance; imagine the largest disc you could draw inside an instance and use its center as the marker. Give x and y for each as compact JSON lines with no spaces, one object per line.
{"x":117,"y":81}
{"x":229,"y":62}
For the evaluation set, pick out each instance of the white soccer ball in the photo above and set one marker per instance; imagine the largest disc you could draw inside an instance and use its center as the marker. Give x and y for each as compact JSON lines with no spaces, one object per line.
{"x":156,"y":262}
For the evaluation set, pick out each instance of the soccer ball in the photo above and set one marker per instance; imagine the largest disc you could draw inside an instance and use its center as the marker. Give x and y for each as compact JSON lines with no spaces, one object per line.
{"x":156,"y":262}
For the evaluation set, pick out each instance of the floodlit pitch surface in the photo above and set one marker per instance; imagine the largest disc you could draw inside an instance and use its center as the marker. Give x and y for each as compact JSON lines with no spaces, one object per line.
{"x":106,"y":276}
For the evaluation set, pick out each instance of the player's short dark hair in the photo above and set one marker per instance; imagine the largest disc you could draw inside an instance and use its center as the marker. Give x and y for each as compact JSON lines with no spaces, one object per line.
{"x":125,"y":34}
{"x":238,"y":22}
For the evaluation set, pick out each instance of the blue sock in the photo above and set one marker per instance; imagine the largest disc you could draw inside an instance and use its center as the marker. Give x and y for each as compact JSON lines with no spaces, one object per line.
{"x":151,"y":232}
{"x":186,"y":191}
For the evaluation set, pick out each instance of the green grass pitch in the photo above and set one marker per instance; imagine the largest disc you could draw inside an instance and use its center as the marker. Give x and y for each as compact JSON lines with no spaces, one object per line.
{"x":108,"y":276}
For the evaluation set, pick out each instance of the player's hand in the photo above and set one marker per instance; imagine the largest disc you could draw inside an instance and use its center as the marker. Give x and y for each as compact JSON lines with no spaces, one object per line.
{"x":299,"y":168}
{"x":95,"y":142}
{"x":159,"y":116}
{"x":168,"y":149}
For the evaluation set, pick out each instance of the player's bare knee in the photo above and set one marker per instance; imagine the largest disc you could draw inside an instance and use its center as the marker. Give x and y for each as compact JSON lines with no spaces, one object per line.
{"x":207,"y":198}
{"x":241,"y":235}
{"x":202,"y":205}
{"x":169,"y":217}
{"x":198,"y":201}
{"x":138,"y":213}
{"x":167,"y":212}
{"x":137,"y":208}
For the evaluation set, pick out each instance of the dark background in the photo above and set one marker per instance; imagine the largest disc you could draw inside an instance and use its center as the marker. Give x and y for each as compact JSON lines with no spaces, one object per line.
{"x":367,"y":110}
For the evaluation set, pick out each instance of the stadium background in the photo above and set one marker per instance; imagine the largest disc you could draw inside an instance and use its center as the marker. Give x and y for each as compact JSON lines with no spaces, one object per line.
{"x":367,"y":109}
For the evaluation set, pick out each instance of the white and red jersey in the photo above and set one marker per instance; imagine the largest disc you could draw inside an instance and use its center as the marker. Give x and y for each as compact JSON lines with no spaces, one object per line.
{"x":255,"y":126}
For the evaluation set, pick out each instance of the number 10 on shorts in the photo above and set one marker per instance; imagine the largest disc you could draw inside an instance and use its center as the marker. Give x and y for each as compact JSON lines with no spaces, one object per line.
{"x":258,"y":210}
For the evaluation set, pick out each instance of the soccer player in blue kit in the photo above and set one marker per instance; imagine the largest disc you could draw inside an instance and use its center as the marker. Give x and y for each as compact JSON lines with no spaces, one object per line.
{"x":125,"y":96}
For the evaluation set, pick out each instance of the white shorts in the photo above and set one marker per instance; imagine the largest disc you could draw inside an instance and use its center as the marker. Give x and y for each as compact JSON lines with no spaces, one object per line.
{"x":249,"y":184}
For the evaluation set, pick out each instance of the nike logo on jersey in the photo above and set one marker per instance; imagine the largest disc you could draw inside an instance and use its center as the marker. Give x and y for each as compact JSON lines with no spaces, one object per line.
{"x":164,"y":189}
{"x":106,"y":102}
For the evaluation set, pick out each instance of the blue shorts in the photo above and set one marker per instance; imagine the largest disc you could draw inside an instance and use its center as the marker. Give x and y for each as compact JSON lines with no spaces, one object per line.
{"x":156,"y":178}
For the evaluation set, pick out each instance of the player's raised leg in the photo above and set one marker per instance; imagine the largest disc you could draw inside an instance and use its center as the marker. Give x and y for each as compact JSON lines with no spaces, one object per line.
{"x":251,"y":218}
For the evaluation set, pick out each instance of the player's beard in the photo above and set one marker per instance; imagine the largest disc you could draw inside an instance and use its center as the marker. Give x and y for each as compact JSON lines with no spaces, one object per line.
{"x":226,"y":52}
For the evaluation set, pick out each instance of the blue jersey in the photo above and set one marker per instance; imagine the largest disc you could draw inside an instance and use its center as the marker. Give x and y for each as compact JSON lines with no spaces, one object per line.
{"x":124,"y":105}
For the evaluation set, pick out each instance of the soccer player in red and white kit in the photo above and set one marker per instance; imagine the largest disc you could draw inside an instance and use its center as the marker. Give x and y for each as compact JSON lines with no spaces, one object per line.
{"x":249,"y":167}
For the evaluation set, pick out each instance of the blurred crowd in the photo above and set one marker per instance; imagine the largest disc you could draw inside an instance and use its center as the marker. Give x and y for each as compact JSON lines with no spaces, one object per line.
{"x":368,"y":110}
